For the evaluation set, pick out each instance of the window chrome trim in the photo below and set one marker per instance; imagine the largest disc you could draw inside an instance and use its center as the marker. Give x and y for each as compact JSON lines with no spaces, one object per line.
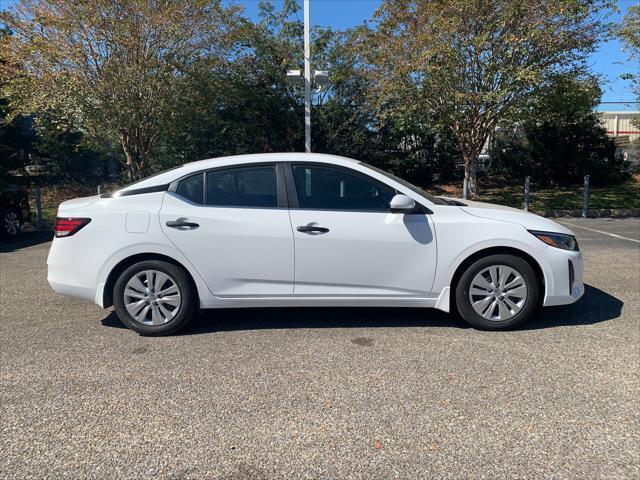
{"x":137,"y":191}
{"x":280,"y":185}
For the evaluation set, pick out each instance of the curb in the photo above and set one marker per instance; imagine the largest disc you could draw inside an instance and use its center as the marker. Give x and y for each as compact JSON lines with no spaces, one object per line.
{"x":592,"y":213}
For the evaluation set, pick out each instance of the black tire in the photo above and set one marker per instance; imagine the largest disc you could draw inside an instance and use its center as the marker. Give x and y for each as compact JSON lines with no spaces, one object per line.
{"x":185,"y":311}
{"x":9,"y":230}
{"x":463,"y":302}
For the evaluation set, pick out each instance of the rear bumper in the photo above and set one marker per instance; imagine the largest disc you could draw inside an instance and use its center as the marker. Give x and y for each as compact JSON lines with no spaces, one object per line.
{"x":65,"y":280}
{"x":75,"y":291}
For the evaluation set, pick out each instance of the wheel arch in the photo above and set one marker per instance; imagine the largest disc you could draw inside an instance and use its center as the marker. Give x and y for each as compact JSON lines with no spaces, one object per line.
{"x":125,"y":263}
{"x":468,"y":261}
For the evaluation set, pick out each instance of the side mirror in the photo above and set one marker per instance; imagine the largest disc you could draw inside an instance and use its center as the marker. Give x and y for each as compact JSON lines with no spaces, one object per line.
{"x":402,"y":204}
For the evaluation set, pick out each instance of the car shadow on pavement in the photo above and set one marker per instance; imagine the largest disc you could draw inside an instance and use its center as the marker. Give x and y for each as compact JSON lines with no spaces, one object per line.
{"x":229,"y":319}
{"x":596,"y":306}
{"x":27,"y":239}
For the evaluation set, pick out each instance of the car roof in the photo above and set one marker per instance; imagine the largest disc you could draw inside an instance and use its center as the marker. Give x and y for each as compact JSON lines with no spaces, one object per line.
{"x":187,"y":168}
{"x":267,"y":157}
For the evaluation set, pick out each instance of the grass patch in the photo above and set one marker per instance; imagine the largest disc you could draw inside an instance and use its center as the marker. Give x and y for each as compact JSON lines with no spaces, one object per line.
{"x":626,"y":195}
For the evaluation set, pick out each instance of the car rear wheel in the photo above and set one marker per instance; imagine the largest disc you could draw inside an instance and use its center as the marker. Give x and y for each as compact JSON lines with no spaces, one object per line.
{"x":497,"y":292}
{"x":11,"y":223}
{"x":153,"y":298}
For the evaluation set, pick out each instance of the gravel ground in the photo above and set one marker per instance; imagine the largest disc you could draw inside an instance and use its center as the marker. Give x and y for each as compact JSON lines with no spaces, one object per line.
{"x":323,"y":393}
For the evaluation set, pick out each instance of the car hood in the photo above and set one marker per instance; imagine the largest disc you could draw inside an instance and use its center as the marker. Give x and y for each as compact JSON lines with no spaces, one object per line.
{"x":501,"y":213}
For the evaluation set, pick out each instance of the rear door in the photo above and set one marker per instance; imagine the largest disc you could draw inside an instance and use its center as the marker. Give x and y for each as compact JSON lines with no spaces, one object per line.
{"x":233,"y":225}
{"x":348,"y":243}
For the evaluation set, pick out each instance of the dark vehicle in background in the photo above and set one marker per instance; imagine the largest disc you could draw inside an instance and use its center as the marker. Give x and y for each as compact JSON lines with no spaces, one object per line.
{"x":14,"y":210}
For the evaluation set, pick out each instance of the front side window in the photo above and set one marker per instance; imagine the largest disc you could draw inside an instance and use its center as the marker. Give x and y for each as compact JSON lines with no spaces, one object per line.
{"x":243,"y":187}
{"x":330,"y":188}
{"x":410,"y":186}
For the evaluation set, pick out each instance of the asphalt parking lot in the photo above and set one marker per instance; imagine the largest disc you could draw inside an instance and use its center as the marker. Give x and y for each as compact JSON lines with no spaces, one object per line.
{"x":324,"y":393}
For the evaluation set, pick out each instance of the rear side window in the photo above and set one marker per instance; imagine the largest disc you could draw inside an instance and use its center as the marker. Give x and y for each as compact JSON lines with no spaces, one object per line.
{"x":192,"y":189}
{"x":243,"y":187}
{"x":328,"y":188}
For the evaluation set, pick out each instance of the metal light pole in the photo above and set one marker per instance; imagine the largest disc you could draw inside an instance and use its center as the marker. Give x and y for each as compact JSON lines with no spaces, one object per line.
{"x":319,"y":79}
{"x":307,"y":81}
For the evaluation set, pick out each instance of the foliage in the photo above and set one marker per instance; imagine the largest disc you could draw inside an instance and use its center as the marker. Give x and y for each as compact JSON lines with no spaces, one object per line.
{"x":24,"y":139}
{"x":154,"y":84}
{"x":248,"y":107}
{"x":629,"y":32}
{"x":561,"y":139}
{"x":16,"y":134}
{"x":67,"y":154}
{"x":244,"y":106}
{"x":417,"y":148}
{"x":473,"y":64}
{"x":115,"y":69}
{"x":16,"y":140}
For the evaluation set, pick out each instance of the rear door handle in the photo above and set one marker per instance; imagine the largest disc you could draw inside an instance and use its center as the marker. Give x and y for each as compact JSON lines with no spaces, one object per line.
{"x":312,"y":229}
{"x":182,"y":224}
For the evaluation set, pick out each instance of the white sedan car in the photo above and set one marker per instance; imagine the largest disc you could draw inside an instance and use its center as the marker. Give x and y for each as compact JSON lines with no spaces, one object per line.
{"x":295,"y":229}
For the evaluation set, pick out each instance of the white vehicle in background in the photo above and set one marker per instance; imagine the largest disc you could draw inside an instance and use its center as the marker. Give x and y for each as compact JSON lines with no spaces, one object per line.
{"x":294,"y":229}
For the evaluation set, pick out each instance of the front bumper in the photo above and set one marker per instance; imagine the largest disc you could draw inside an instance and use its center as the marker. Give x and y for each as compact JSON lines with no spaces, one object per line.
{"x":563,"y":272}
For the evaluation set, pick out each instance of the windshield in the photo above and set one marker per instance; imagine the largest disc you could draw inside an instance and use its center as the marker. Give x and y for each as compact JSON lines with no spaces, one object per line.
{"x":410,"y":186}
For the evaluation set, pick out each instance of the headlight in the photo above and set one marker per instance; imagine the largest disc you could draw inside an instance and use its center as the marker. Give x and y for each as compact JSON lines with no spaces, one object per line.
{"x":558,"y":240}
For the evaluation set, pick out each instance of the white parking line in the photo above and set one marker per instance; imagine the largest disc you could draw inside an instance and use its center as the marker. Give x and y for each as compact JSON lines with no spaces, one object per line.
{"x":600,"y":231}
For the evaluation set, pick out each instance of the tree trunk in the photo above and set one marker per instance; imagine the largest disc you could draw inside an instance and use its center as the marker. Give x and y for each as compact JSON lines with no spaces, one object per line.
{"x":470,"y":159}
{"x":470,"y":144}
{"x":136,"y":151}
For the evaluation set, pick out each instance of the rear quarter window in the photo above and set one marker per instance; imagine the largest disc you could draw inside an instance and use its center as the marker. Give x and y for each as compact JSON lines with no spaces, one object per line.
{"x":192,"y":188}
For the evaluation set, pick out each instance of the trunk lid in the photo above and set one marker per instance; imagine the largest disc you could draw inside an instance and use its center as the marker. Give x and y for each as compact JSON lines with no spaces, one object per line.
{"x":69,"y":207}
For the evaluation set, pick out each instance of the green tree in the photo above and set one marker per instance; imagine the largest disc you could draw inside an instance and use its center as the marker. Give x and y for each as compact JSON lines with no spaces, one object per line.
{"x":342,"y":123}
{"x":413,"y":146}
{"x":472,"y":64}
{"x":561,"y":139}
{"x":16,"y":132}
{"x":116,"y":69}
{"x":244,"y":105}
{"x":629,"y":32}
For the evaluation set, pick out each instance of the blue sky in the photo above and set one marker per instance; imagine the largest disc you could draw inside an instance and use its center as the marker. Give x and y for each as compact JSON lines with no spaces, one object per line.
{"x":609,"y":61}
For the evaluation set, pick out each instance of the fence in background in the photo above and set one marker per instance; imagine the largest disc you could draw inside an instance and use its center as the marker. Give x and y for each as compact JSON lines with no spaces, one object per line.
{"x":38,"y":204}
{"x":527,"y":194}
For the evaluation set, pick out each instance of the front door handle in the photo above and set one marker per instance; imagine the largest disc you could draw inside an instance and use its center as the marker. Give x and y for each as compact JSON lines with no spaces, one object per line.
{"x":182,"y":224}
{"x":312,"y":229}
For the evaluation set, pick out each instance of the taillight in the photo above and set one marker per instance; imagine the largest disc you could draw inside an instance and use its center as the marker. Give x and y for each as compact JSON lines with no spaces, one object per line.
{"x":65,"y":227}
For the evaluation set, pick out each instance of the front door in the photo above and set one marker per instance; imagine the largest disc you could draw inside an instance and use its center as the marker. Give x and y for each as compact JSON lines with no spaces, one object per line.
{"x":234,"y":227}
{"x":347,"y":243}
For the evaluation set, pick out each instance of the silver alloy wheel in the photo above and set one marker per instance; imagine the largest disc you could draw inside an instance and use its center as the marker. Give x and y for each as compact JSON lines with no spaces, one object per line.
{"x":498,"y":293}
{"x":12,"y":223}
{"x":152,"y":297}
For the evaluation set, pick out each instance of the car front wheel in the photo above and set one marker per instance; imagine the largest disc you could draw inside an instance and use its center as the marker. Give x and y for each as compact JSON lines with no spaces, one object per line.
{"x":497,"y":292}
{"x":154,"y":298}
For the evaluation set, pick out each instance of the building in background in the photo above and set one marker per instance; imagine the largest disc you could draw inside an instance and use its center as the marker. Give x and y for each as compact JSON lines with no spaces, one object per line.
{"x":620,"y":126}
